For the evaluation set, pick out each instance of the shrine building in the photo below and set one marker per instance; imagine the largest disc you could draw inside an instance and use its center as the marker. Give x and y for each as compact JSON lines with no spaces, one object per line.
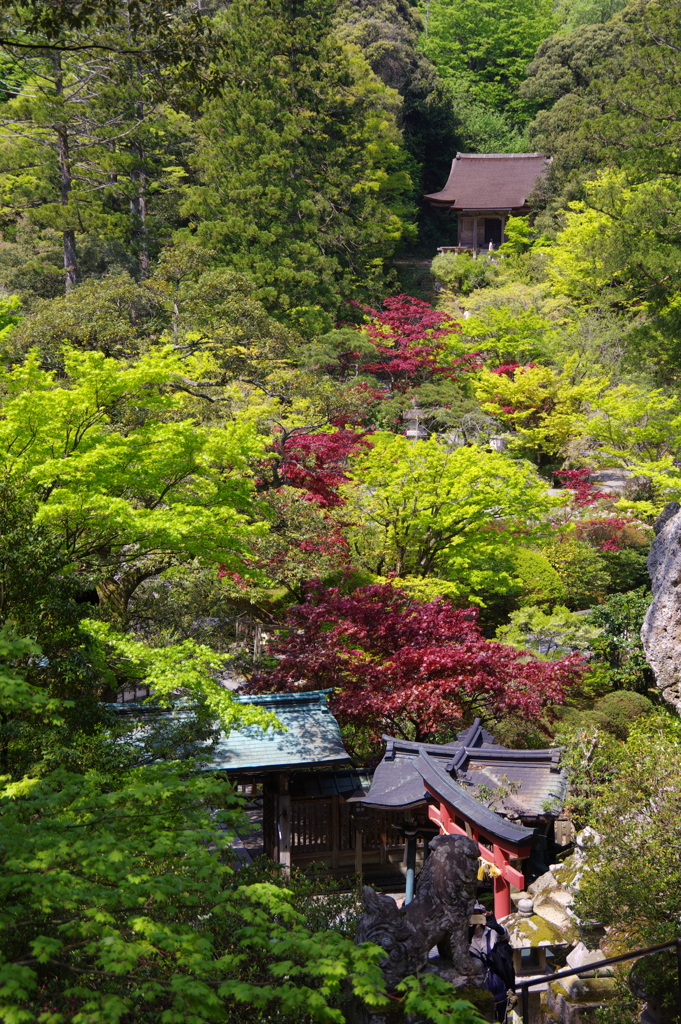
{"x":484,"y":190}
{"x":319,"y":813}
{"x":508,"y":801}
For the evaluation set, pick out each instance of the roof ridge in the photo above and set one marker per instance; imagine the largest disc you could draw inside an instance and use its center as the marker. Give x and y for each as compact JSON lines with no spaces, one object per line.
{"x":281,"y":698}
{"x":484,"y":817}
{"x":500,"y":156}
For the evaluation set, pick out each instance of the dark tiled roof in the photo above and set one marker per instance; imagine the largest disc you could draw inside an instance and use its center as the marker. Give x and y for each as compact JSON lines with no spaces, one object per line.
{"x":312,"y":735}
{"x":491,"y":181}
{"x":470,"y":760}
{"x":488,"y":821}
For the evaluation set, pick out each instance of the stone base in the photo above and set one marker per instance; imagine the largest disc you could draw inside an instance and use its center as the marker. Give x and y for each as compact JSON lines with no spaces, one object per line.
{"x":577,"y":1004}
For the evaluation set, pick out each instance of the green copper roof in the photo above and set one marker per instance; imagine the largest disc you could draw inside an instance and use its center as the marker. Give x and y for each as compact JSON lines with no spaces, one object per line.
{"x":312,"y":736}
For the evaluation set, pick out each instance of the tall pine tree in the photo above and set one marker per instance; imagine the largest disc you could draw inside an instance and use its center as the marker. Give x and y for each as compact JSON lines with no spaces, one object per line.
{"x":303,"y":173}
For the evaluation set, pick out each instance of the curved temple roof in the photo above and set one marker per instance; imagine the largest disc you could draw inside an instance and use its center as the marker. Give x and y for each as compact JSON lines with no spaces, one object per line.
{"x":534,"y":780}
{"x":486,"y":819}
{"x":491,"y":181}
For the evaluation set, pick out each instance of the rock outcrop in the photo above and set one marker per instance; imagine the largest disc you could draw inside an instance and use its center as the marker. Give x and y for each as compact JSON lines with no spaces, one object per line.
{"x":661,"y":632}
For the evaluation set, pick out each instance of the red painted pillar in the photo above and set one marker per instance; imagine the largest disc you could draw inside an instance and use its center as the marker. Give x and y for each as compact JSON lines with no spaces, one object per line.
{"x":502,"y":887}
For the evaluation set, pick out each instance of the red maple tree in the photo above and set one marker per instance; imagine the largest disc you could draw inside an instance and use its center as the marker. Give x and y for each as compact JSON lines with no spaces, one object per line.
{"x":311,"y":460}
{"x":416,"y":669}
{"x":408,"y":335}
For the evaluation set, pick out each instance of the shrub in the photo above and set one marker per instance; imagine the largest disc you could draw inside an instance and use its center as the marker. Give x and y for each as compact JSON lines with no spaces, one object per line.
{"x":462,"y":273}
{"x":541,"y":584}
{"x":618,"y":710}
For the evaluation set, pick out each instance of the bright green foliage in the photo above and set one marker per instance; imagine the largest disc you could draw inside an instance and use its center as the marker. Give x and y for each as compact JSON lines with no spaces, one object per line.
{"x":420,"y":510}
{"x":120,"y":904}
{"x":638,"y":429}
{"x":588,"y":12}
{"x":487,"y":45}
{"x":503,"y":335}
{"x":540,"y":403}
{"x":118,"y":899}
{"x":185,"y":670}
{"x":635,"y":811}
{"x":551,"y":634}
{"x":16,"y":693}
{"x":303,"y":175}
{"x":9,"y":317}
{"x":618,"y":711}
{"x":620,"y":618}
{"x":462,"y":273}
{"x":622,"y":246}
{"x":539,"y":582}
{"x":133,"y":498}
{"x":581,"y":569}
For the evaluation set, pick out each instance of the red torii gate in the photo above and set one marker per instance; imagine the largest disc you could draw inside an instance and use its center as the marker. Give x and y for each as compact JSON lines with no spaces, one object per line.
{"x":456,"y":812}
{"x":500,"y":855}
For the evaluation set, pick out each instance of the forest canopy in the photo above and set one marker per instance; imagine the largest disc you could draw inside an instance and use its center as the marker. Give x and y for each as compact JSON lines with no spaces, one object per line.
{"x":250,"y":384}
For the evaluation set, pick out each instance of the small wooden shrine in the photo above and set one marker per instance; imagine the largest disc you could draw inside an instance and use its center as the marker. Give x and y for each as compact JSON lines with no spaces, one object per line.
{"x":484,"y":190}
{"x":454,"y":787}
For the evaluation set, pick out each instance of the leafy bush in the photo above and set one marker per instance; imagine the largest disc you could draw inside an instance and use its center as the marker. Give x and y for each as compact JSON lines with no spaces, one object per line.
{"x":620,"y":646}
{"x":462,"y":272}
{"x":551,"y":635}
{"x":627,"y":569}
{"x":616,"y":712}
{"x":582,"y":572}
{"x":541,"y":584}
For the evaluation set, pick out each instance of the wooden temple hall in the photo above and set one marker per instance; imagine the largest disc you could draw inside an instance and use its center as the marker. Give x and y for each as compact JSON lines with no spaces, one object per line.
{"x":483,"y":190}
{"x":318,"y":810}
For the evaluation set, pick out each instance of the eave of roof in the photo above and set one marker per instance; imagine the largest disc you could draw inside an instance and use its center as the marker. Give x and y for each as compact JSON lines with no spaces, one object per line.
{"x":490,"y":181}
{"x":487,"y":820}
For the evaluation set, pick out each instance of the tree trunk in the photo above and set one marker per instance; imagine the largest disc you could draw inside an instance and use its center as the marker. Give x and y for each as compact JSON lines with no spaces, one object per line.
{"x":138,"y":212}
{"x":114,"y":594}
{"x":138,"y":203}
{"x":65,"y":182}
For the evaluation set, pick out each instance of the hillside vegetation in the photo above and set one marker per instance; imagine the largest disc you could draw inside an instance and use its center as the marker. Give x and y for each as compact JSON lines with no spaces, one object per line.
{"x":224,"y":394}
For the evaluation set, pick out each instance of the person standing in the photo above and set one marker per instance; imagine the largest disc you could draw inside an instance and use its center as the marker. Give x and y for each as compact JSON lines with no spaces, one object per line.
{"x":490,"y":943}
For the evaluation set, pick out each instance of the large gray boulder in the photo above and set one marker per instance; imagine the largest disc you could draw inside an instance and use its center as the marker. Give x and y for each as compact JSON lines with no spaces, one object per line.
{"x":661,"y":632}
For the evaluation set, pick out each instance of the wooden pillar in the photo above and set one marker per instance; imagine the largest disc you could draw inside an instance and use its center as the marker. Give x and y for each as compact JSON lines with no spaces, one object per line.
{"x":475,"y":234}
{"x":334,"y":827}
{"x":284,"y":823}
{"x":270,"y":815}
{"x":358,"y":848}
{"x":502,"y":887}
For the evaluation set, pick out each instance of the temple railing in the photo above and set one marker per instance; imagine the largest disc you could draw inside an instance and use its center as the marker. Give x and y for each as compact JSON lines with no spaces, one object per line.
{"x":525,"y":986}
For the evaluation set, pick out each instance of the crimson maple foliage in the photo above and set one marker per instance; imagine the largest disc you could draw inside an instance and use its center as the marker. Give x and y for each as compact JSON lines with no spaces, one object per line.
{"x":584,"y":493}
{"x":408,"y":333}
{"x":312,"y":461}
{"x":415,"y":669}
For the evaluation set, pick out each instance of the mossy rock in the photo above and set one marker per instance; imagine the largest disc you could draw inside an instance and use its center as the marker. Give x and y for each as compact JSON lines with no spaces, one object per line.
{"x":586,"y":991}
{"x":537,"y":931}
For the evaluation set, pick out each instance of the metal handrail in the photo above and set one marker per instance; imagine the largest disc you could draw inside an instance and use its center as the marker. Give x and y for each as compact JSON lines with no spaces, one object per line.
{"x":526,"y":985}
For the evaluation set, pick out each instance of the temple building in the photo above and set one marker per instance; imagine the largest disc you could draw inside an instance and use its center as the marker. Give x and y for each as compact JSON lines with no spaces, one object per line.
{"x":508,"y":801}
{"x":319,"y":813}
{"x":484,"y":190}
